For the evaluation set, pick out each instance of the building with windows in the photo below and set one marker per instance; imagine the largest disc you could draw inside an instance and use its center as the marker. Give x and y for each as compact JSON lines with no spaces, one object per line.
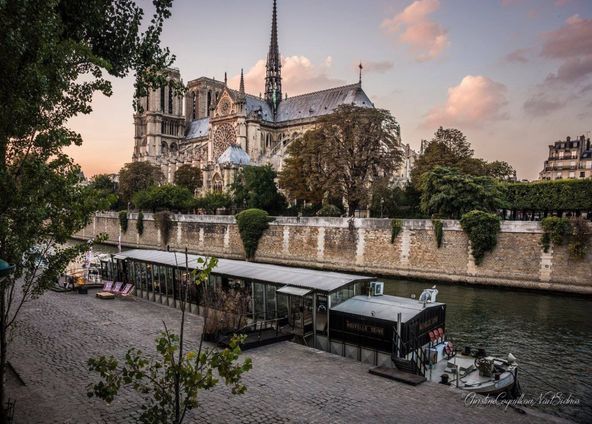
{"x":219,"y":129}
{"x":569,"y":158}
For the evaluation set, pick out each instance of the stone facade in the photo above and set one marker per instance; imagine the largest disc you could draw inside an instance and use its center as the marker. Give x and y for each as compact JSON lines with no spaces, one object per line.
{"x":363,"y":245}
{"x":568,"y":159}
{"x":212,"y":120}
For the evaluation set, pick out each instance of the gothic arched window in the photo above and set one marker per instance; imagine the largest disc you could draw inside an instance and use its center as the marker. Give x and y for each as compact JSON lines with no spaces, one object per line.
{"x":162,"y":98}
{"x":164,"y":148}
{"x":148,"y":99}
{"x":209,"y":101}
{"x":217,"y":183}
{"x":170,"y":97}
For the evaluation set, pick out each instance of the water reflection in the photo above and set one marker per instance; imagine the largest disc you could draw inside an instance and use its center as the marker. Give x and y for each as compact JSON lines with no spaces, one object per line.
{"x":550,"y":334}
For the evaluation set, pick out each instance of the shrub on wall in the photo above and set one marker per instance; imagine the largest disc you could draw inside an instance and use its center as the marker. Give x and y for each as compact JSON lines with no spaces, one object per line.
{"x":123,"y":221}
{"x":140,"y":224}
{"x":579,"y":241}
{"x":396,"y":227}
{"x":163,"y":222}
{"x":481,"y":228}
{"x":252,"y":223}
{"x":559,"y":195}
{"x":438,"y":231}
{"x":555,"y":230}
{"x":561,"y":231}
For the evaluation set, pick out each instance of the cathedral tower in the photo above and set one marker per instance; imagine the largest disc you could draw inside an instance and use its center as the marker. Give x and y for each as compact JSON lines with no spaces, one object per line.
{"x":273,"y":78}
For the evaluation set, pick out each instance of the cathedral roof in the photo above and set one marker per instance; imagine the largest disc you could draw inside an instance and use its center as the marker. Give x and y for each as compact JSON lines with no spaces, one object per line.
{"x":198,"y":128}
{"x":321,"y":103}
{"x":234,"y":155}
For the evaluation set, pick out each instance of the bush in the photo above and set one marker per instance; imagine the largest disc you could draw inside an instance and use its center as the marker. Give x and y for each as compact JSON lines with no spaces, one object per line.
{"x":252,"y":223}
{"x":481,"y":228}
{"x":167,"y":197}
{"x":579,"y":241}
{"x":329,"y":210}
{"x":163,"y":222}
{"x":212,"y":201}
{"x":556,"y":231}
{"x":396,"y":227}
{"x":140,"y":224}
{"x":438,"y":231}
{"x":123,"y":221}
{"x":560,"y":195}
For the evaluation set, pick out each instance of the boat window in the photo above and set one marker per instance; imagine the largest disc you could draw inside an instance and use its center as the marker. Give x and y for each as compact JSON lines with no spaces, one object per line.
{"x":342,"y":295}
{"x":270,"y":295}
{"x":259,"y":300}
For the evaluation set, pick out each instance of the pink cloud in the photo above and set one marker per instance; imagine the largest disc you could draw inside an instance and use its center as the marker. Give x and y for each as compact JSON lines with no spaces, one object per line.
{"x":475,"y":100}
{"x":426,"y":39}
{"x":299,"y":75}
{"x":572,"y":39}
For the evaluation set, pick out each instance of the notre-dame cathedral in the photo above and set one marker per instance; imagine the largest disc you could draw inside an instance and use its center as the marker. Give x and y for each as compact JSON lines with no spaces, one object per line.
{"x":220,"y":130}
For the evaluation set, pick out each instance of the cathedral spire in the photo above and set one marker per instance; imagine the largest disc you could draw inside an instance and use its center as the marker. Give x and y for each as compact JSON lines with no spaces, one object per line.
{"x":273,"y":78}
{"x":242,"y":83}
{"x":361,"y":67}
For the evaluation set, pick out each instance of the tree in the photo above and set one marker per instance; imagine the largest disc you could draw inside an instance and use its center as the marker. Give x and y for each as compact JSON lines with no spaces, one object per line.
{"x":448,"y":193}
{"x":108,"y":188}
{"x":211,"y":201}
{"x":170,"y":385}
{"x":137,"y":176}
{"x":189,"y":177}
{"x":54,"y":56}
{"x":252,"y":223}
{"x":255,"y":187}
{"x":500,"y":170}
{"x":351,"y":149}
{"x":449,"y":148}
{"x":392,"y":201}
{"x":167,"y":197}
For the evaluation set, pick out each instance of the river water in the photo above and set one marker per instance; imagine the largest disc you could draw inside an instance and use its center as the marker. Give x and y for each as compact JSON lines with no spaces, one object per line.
{"x":549,"y":334}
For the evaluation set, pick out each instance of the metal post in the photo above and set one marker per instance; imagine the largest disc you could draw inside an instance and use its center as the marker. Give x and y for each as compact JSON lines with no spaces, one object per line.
{"x":399,"y":319}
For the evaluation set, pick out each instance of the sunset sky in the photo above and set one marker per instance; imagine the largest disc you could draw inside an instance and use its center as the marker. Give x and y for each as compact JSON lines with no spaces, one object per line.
{"x":513,"y":75}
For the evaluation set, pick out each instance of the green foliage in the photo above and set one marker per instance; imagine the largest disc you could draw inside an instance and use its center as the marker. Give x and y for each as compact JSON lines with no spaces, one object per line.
{"x":557,"y":195}
{"x":255,"y":187}
{"x":163,"y":222}
{"x":348,"y":150}
{"x":438,"y":231}
{"x":136,"y":177}
{"x":395,"y":202}
{"x":579,"y":241}
{"x":55,"y":55}
{"x":213,"y":200}
{"x":330,"y":211}
{"x":450,"y":148}
{"x":123,"y":221}
{"x":140,"y":224}
{"x":555,"y":230}
{"x":156,"y":379}
{"x":252,"y":223}
{"x":167,"y":197}
{"x":449,"y":193}
{"x":481,"y":228}
{"x":396,"y":227}
{"x":104,"y":185}
{"x":560,"y":231}
{"x":189,"y":177}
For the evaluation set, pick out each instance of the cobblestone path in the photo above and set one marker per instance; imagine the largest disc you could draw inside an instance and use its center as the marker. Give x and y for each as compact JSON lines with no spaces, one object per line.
{"x":288,"y":383}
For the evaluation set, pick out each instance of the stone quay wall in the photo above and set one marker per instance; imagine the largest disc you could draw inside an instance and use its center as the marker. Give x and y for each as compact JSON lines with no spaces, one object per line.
{"x":364,"y":246}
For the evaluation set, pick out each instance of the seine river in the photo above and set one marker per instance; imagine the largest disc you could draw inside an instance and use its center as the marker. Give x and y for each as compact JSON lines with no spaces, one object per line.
{"x":549,"y":334}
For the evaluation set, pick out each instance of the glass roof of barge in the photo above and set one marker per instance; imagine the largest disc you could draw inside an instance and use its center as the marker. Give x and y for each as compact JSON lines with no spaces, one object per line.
{"x":384,"y":307}
{"x":298,"y":277}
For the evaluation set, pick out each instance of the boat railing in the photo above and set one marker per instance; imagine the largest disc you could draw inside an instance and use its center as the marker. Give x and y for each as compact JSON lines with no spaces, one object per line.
{"x":258,"y":327}
{"x":412,"y":352}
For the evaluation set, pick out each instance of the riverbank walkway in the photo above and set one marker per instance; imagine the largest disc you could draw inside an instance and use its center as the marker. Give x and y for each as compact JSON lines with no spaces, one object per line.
{"x":288,"y":383}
